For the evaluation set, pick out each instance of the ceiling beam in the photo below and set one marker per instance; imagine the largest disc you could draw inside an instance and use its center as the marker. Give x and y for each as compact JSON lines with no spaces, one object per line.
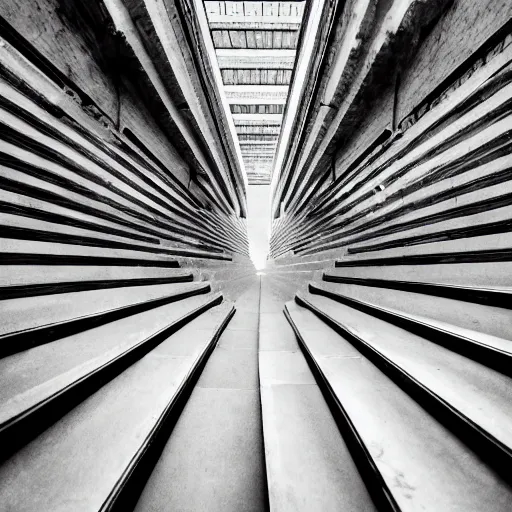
{"x":404,"y":19}
{"x":124,"y":25}
{"x":264,"y":118}
{"x":251,"y":8}
{"x":258,"y":152}
{"x":217,"y":78}
{"x":249,"y":24}
{"x":256,"y":99}
{"x":255,"y":52}
{"x":256,"y":94}
{"x":261,"y":62}
{"x":257,"y":143}
{"x":268,"y":20}
{"x":296,"y":92}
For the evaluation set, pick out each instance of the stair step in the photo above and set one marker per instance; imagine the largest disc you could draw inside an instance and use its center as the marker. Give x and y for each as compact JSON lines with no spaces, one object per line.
{"x":482,"y":318}
{"x":480,"y":275}
{"x":309,"y":466}
{"x":59,"y":257}
{"x":480,"y":188}
{"x":23,"y":213}
{"x":16,"y":251}
{"x":32,"y":321}
{"x":409,"y":460}
{"x":494,"y":352}
{"x":499,"y":297}
{"x":298,"y":265}
{"x":481,"y":249}
{"x":29,"y":228}
{"x":464,"y":395}
{"x":97,"y":456}
{"x":106,"y":153}
{"x":38,"y":385}
{"x":30,"y":280}
{"x":39,"y":187}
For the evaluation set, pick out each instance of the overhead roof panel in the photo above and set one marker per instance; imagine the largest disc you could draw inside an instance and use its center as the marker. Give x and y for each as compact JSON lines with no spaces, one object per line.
{"x":250,"y":10}
{"x":255,"y":44}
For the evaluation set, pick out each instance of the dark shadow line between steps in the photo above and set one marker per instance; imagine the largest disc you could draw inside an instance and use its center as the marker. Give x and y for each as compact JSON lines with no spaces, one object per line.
{"x":22,"y":429}
{"x":33,"y":290}
{"x":494,"y":358}
{"x":480,"y":256}
{"x":12,"y":343}
{"x":15,"y":258}
{"x":129,"y":488}
{"x":264,"y":460}
{"x":486,"y":297}
{"x":370,"y":474}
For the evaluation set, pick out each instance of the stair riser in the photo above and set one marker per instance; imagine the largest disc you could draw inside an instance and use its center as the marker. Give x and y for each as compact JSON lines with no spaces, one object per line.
{"x":15,"y":292}
{"x":125,"y":495}
{"x":370,"y":474}
{"x":485,"y":297}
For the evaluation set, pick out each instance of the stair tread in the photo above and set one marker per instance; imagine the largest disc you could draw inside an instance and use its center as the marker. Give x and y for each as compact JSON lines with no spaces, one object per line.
{"x":483,"y":274}
{"x":71,"y":464}
{"x":213,"y":460}
{"x":472,"y":248}
{"x":24,"y":275}
{"x":502,"y":289}
{"x":32,"y":377}
{"x":308,"y":464}
{"x":480,"y":394}
{"x":423,"y":465}
{"x":27,"y":313}
{"x":460,"y":310}
{"x":161,"y":254}
{"x":471,"y":335}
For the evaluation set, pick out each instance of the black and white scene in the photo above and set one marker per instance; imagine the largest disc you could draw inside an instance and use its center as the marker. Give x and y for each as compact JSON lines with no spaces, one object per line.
{"x":255,"y":256}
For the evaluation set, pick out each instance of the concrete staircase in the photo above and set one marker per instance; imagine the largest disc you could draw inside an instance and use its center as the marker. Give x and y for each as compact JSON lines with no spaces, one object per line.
{"x":145,"y":366}
{"x":412,"y":361}
{"x":350,"y":388}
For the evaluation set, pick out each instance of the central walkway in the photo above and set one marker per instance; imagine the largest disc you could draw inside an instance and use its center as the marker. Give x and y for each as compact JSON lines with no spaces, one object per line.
{"x":256,"y":415}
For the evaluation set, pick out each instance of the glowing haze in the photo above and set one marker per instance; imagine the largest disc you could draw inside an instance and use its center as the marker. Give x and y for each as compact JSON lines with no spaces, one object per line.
{"x":258,"y":222}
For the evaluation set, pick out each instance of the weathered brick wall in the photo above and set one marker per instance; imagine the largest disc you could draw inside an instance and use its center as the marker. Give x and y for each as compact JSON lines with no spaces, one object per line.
{"x":378,"y":118}
{"x":46,"y":30}
{"x":461,"y":31}
{"x":43,"y":25}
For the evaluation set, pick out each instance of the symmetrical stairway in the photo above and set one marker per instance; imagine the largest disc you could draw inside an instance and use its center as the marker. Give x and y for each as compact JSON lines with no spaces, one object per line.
{"x":139,"y":388}
{"x":146,"y":366}
{"x":214,"y":459}
{"x":413,"y":362}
